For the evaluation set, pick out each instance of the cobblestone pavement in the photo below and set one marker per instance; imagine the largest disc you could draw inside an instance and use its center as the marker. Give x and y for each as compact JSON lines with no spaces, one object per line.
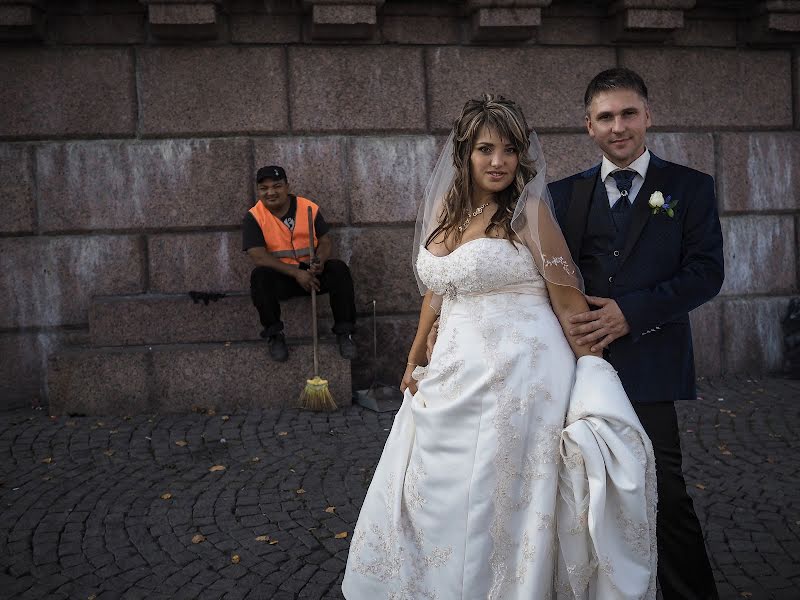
{"x":257,"y":504}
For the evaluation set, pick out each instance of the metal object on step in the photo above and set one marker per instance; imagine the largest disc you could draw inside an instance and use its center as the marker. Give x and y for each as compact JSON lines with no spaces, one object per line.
{"x":379,"y":397}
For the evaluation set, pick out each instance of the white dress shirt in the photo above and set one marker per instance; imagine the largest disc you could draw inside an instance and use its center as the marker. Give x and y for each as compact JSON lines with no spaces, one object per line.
{"x":639,"y":165}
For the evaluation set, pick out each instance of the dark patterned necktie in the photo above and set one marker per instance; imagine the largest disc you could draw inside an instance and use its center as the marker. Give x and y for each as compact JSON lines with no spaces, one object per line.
{"x":621,"y":209}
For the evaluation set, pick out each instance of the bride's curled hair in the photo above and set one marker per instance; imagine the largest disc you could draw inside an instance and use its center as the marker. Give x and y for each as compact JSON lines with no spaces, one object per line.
{"x":505,"y":119}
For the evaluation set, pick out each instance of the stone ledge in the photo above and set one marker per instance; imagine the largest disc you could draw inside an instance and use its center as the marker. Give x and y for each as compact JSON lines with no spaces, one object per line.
{"x":647,"y":20}
{"x":182,"y":19}
{"x":21,"y":19}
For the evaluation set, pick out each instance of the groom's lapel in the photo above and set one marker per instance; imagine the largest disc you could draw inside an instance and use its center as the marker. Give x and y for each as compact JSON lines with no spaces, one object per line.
{"x":578,"y":211}
{"x":656,"y":179}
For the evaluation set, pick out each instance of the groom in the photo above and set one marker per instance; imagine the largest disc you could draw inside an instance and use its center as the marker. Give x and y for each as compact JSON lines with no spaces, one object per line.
{"x":646,"y":235}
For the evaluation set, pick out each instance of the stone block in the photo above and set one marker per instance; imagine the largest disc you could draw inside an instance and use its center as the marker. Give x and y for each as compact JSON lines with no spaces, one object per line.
{"x":242,"y":376}
{"x":171,"y":319}
{"x":760,"y":254}
{"x":203,"y":262}
{"x":50,"y":280}
{"x":572,"y":30}
{"x":265,"y":29}
{"x":113,"y":28}
{"x":21,"y":20}
{"x":568,"y":153}
{"x":760,"y":171}
{"x":340,"y":89}
{"x":753,"y":334}
{"x":695,"y":150}
{"x":315,"y":167}
{"x":343,"y":21}
{"x":707,"y":338}
{"x":395,"y":335}
{"x":703,"y":88}
{"x":129,"y":184}
{"x":99,"y":382}
{"x":16,"y":189}
{"x":646,"y":18}
{"x":194,"y":90}
{"x":183,"y":20}
{"x":525,"y":75}
{"x":388,"y":177}
{"x":420,"y":29}
{"x":380,"y":260}
{"x":797,"y":89}
{"x":505,"y":24}
{"x":65,"y":92}
{"x":706,"y":32}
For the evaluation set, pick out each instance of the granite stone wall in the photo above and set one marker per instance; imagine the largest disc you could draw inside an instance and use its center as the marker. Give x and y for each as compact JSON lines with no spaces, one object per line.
{"x":130,"y":132}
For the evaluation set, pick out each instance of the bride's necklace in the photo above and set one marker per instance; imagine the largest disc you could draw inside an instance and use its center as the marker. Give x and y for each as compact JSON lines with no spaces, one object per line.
{"x":475,"y":213}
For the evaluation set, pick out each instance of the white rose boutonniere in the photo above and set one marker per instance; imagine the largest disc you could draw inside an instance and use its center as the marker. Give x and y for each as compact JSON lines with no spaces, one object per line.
{"x":660,"y":204}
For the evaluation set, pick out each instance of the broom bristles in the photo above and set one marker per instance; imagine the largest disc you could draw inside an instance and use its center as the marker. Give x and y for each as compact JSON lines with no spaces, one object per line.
{"x":316,"y":395}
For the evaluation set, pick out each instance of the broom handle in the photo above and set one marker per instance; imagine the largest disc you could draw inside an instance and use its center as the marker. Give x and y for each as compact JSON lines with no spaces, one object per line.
{"x":313,"y":293}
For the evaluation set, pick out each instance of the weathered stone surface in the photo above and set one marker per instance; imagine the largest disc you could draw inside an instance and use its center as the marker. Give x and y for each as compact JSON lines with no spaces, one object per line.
{"x":241,"y":375}
{"x":644,"y":18}
{"x":695,"y":150}
{"x":420,"y":29}
{"x":707,"y":338}
{"x":706,"y":32}
{"x":98,"y":29}
{"x":568,"y":153}
{"x":183,"y":20}
{"x":98,"y":382}
{"x":797,"y":88}
{"x":753,"y":334}
{"x":505,"y":24}
{"x":16,"y":188}
{"x":21,"y":20}
{"x":389,"y":176}
{"x":129,"y":185}
{"x":760,"y":171}
{"x":335,"y":89}
{"x":395,"y":335}
{"x":65,"y":92}
{"x":703,"y":88}
{"x":229,"y":96}
{"x":380,"y":260}
{"x":760,"y":254}
{"x":168,"y":319}
{"x":572,"y":30}
{"x":50,"y":280}
{"x":315,"y":167}
{"x":203,"y":262}
{"x":343,"y":21}
{"x":265,"y":29}
{"x":526,"y":75}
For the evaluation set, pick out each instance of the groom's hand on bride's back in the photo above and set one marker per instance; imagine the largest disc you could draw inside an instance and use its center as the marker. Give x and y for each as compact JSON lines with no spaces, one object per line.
{"x":600,"y":326}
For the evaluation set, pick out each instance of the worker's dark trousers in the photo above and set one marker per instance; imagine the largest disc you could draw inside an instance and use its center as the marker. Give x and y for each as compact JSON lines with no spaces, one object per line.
{"x":268,"y":287}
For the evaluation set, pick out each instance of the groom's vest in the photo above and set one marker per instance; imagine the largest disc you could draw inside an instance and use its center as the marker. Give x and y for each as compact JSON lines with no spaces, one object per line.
{"x":602,"y":244}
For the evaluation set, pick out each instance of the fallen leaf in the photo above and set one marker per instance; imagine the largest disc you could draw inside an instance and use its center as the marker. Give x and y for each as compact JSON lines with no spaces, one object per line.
{"x":340,"y":536}
{"x":262,"y":538}
{"x":217,"y":468}
{"x":282,"y":433}
{"x":699,"y":486}
{"x":47,"y":460}
{"x":181,"y":443}
{"x":273,"y":542}
{"x":330,"y":509}
{"x":70,"y":423}
{"x":166,"y":496}
{"x":114,"y":431}
{"x":771,"y":460}
{"x":92,"y":597}
{"x":301,"y":491}
{"x":225,"y":417}
{"x":198,"y":538}
{"x":109,"y":452}
{"x":746,"y":594}
{"x":100,"y":424}
{"x":211,"y":412}
{"x":255,"y":459}
{"x":235,"y":559}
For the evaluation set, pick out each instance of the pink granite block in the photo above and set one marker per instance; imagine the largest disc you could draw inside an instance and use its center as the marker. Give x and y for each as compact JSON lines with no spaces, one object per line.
{"x":695,"y":150}
{"x":50,"y":280}
{"x":16,"y":189}
{"x":760,"y":171}
{"x":420,"y":29}
{"x":203,"y":262}
{"x":525,"y":75}
{"x":86,"y":29}
{"x":346,"y":89}
{"x":797,"y":88}
{"x":760,"y":254}
{"x":265,"y":29}
{"x":395,"y":335}
{"x":753,"y":334}
{"x":715,"y":88}
{"x":65,"y":92}
{"x":719,"y":32}
{"x":568,"y":153}
{"x":572,"y":30}
{"x":380,"y":260}
{"x":99,"y":382}
{"x":343,"y":21}
{"x":130,"y":185}
{"x":241,"y":375}
{"x":315,"y":167}
{"x":389,"y":175}
{"x":707,"y":338}
{"x":199,"y":90}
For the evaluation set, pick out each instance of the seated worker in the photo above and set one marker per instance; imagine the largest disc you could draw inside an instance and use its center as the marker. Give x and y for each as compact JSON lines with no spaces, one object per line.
{"x":275,"y":236}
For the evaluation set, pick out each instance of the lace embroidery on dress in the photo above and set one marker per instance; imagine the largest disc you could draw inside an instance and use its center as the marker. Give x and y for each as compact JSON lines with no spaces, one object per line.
{"x":559,"y":261}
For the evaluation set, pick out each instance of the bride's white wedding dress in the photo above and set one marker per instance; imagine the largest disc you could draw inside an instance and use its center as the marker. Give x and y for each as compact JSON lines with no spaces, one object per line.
{"x":481,"y":492}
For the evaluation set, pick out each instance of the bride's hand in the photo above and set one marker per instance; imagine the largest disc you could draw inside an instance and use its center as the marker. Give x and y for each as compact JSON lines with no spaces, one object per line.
{"x":408,"y":382}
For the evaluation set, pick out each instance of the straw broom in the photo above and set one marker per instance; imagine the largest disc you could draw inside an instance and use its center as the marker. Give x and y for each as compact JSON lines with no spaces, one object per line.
{"x":316,"y":395}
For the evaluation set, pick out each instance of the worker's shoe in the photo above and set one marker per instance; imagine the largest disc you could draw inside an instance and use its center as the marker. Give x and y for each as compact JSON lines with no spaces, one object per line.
{"x":277,"y":347}
{"x":347,"y":347}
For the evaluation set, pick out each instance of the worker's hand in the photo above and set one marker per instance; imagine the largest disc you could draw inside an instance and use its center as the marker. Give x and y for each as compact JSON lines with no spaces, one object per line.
{"x":431,"y":340}
{"x":316,"y":267}
{"x":408,"y":382}
{"x":307,"y":280}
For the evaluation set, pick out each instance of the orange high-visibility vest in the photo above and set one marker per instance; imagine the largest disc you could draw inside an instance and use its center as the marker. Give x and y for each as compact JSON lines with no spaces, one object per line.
{"x":289,"y":246}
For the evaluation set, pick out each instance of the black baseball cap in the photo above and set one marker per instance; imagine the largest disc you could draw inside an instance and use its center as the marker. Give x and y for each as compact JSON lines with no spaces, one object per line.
{"x":271,"y":172}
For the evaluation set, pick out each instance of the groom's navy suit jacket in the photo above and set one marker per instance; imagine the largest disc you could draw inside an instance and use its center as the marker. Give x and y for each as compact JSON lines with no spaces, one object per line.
{"x":663,"y":268}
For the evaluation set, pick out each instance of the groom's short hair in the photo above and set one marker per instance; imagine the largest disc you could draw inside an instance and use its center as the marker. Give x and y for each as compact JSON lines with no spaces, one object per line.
{"x":618,"y":78}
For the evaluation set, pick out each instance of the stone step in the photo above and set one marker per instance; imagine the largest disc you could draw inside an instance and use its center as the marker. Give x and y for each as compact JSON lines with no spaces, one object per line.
{"x":142,"y":319}
{"x":179,"y":378}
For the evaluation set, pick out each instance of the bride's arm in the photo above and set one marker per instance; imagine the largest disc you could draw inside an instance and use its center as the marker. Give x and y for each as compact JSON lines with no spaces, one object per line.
{"x":417,"y":354}
{"x":567,"y":301}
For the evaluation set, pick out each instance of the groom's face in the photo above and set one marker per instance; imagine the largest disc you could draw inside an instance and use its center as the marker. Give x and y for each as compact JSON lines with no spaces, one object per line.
{"x":617,"y":121}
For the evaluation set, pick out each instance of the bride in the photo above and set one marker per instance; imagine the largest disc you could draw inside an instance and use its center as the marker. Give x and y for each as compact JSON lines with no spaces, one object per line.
{"x":511,"y":471}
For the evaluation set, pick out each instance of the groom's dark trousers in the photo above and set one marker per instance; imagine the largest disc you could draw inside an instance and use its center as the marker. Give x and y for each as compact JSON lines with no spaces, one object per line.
{"x":657,"y":268}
